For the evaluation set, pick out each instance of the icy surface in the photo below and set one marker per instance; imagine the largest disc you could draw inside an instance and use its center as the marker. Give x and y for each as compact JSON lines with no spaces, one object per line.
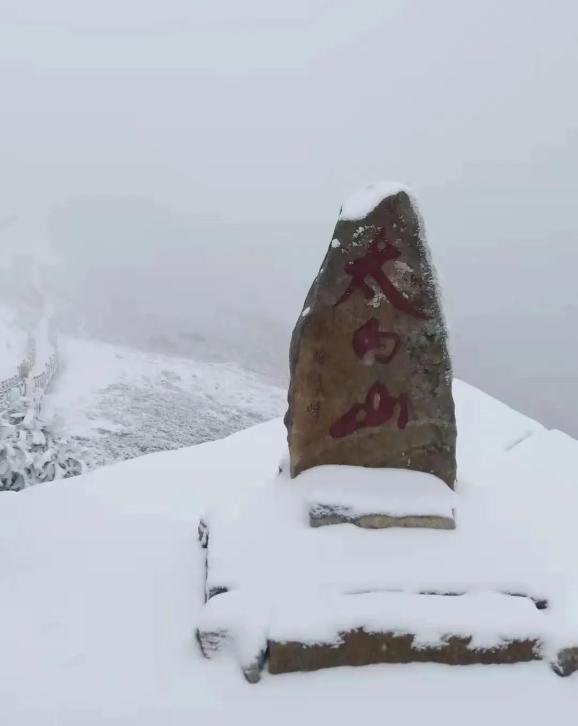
{"x":101,"y":585}
{"x":397,"y":492}
{"x":363,"y":201}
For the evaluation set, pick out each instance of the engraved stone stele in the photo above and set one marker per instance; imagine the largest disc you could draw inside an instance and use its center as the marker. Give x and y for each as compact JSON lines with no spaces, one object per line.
{"x":371,"y":374}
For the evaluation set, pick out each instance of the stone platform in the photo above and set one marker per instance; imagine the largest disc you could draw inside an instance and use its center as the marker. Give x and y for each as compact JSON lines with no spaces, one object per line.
{"x":281,"y":592}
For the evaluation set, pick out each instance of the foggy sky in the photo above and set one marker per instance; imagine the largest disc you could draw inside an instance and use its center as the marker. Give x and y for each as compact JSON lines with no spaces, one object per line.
{"x":176,"y":169}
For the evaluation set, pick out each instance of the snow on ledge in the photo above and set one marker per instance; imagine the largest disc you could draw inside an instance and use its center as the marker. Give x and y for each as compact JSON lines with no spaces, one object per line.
{"x":489,"y":617}
{"x":396,"y":492}
{"x":365,"y":200}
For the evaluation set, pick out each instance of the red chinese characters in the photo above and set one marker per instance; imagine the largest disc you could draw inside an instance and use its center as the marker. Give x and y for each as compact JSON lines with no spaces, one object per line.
{"x":370,"y":343}
{"x":379,"y":408}
{"x":370,"y":266}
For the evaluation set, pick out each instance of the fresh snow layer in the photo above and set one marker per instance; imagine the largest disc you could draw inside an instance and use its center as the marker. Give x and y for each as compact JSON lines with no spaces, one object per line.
{"x":486,"y":428}
{"x":365,"y":200}
{"x":396,"y":492}
{"x":101,"y":585}
{"x":260,"y":543}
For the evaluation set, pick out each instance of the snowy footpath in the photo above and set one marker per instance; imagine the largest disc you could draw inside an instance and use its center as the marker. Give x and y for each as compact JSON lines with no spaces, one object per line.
{"x":101,"y":585}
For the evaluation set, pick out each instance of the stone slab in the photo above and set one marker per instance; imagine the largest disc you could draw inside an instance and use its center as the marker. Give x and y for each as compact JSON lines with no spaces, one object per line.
{"x":401,"y":627}
{"x":321,"y":515}
{"x":359,"y":648}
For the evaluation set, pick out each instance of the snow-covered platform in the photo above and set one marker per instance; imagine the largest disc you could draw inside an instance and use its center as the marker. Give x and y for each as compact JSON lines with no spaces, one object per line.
{"x":494,"y":589}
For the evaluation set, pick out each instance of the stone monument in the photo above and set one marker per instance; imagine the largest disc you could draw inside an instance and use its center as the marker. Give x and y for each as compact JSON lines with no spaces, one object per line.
{"x":372,"y":443}
{"x":370,"y":370}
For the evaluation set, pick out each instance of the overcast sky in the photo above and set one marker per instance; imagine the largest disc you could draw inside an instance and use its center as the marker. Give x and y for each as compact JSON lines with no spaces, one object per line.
{"x":185,"y":161}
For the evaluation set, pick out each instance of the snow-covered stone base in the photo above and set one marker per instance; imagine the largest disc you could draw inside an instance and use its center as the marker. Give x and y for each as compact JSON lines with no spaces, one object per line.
{"x":377,"y":498}
{"x":489,"y":591}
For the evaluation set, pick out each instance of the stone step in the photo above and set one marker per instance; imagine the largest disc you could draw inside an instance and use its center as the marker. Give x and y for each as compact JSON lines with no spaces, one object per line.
{"x":359,"y":648}
{"x":377,"y":498}
{"x":483,"y":628}
{"x":382,"y":627}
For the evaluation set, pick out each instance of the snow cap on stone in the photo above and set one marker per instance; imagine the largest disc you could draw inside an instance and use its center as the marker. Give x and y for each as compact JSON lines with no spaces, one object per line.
{"x":363,"y":201}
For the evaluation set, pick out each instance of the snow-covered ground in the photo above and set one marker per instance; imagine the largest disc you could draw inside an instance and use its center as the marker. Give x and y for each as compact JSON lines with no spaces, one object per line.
{"x":101,"y":585}
{"x":123,"y":402}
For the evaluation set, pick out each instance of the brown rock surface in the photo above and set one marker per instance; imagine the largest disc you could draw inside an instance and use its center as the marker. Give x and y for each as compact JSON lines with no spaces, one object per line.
{"x":370,"y":370}
{"x":358,"y":647}
{"x":566,"y":661}
{"x":321,"y":515}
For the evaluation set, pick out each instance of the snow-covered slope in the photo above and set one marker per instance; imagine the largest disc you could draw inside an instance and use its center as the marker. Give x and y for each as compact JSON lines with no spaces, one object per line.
{"x":122,"y":402}
{"x":101,"y":589}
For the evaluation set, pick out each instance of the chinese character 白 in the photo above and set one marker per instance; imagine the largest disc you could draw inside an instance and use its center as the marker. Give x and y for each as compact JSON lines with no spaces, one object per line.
{"x":370,"y":343}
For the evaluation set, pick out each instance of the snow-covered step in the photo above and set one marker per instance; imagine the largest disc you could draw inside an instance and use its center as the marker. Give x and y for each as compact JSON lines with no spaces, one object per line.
{"x":316,"y":631}
{"x":355,"y":630}
{"x":377,"y":498}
